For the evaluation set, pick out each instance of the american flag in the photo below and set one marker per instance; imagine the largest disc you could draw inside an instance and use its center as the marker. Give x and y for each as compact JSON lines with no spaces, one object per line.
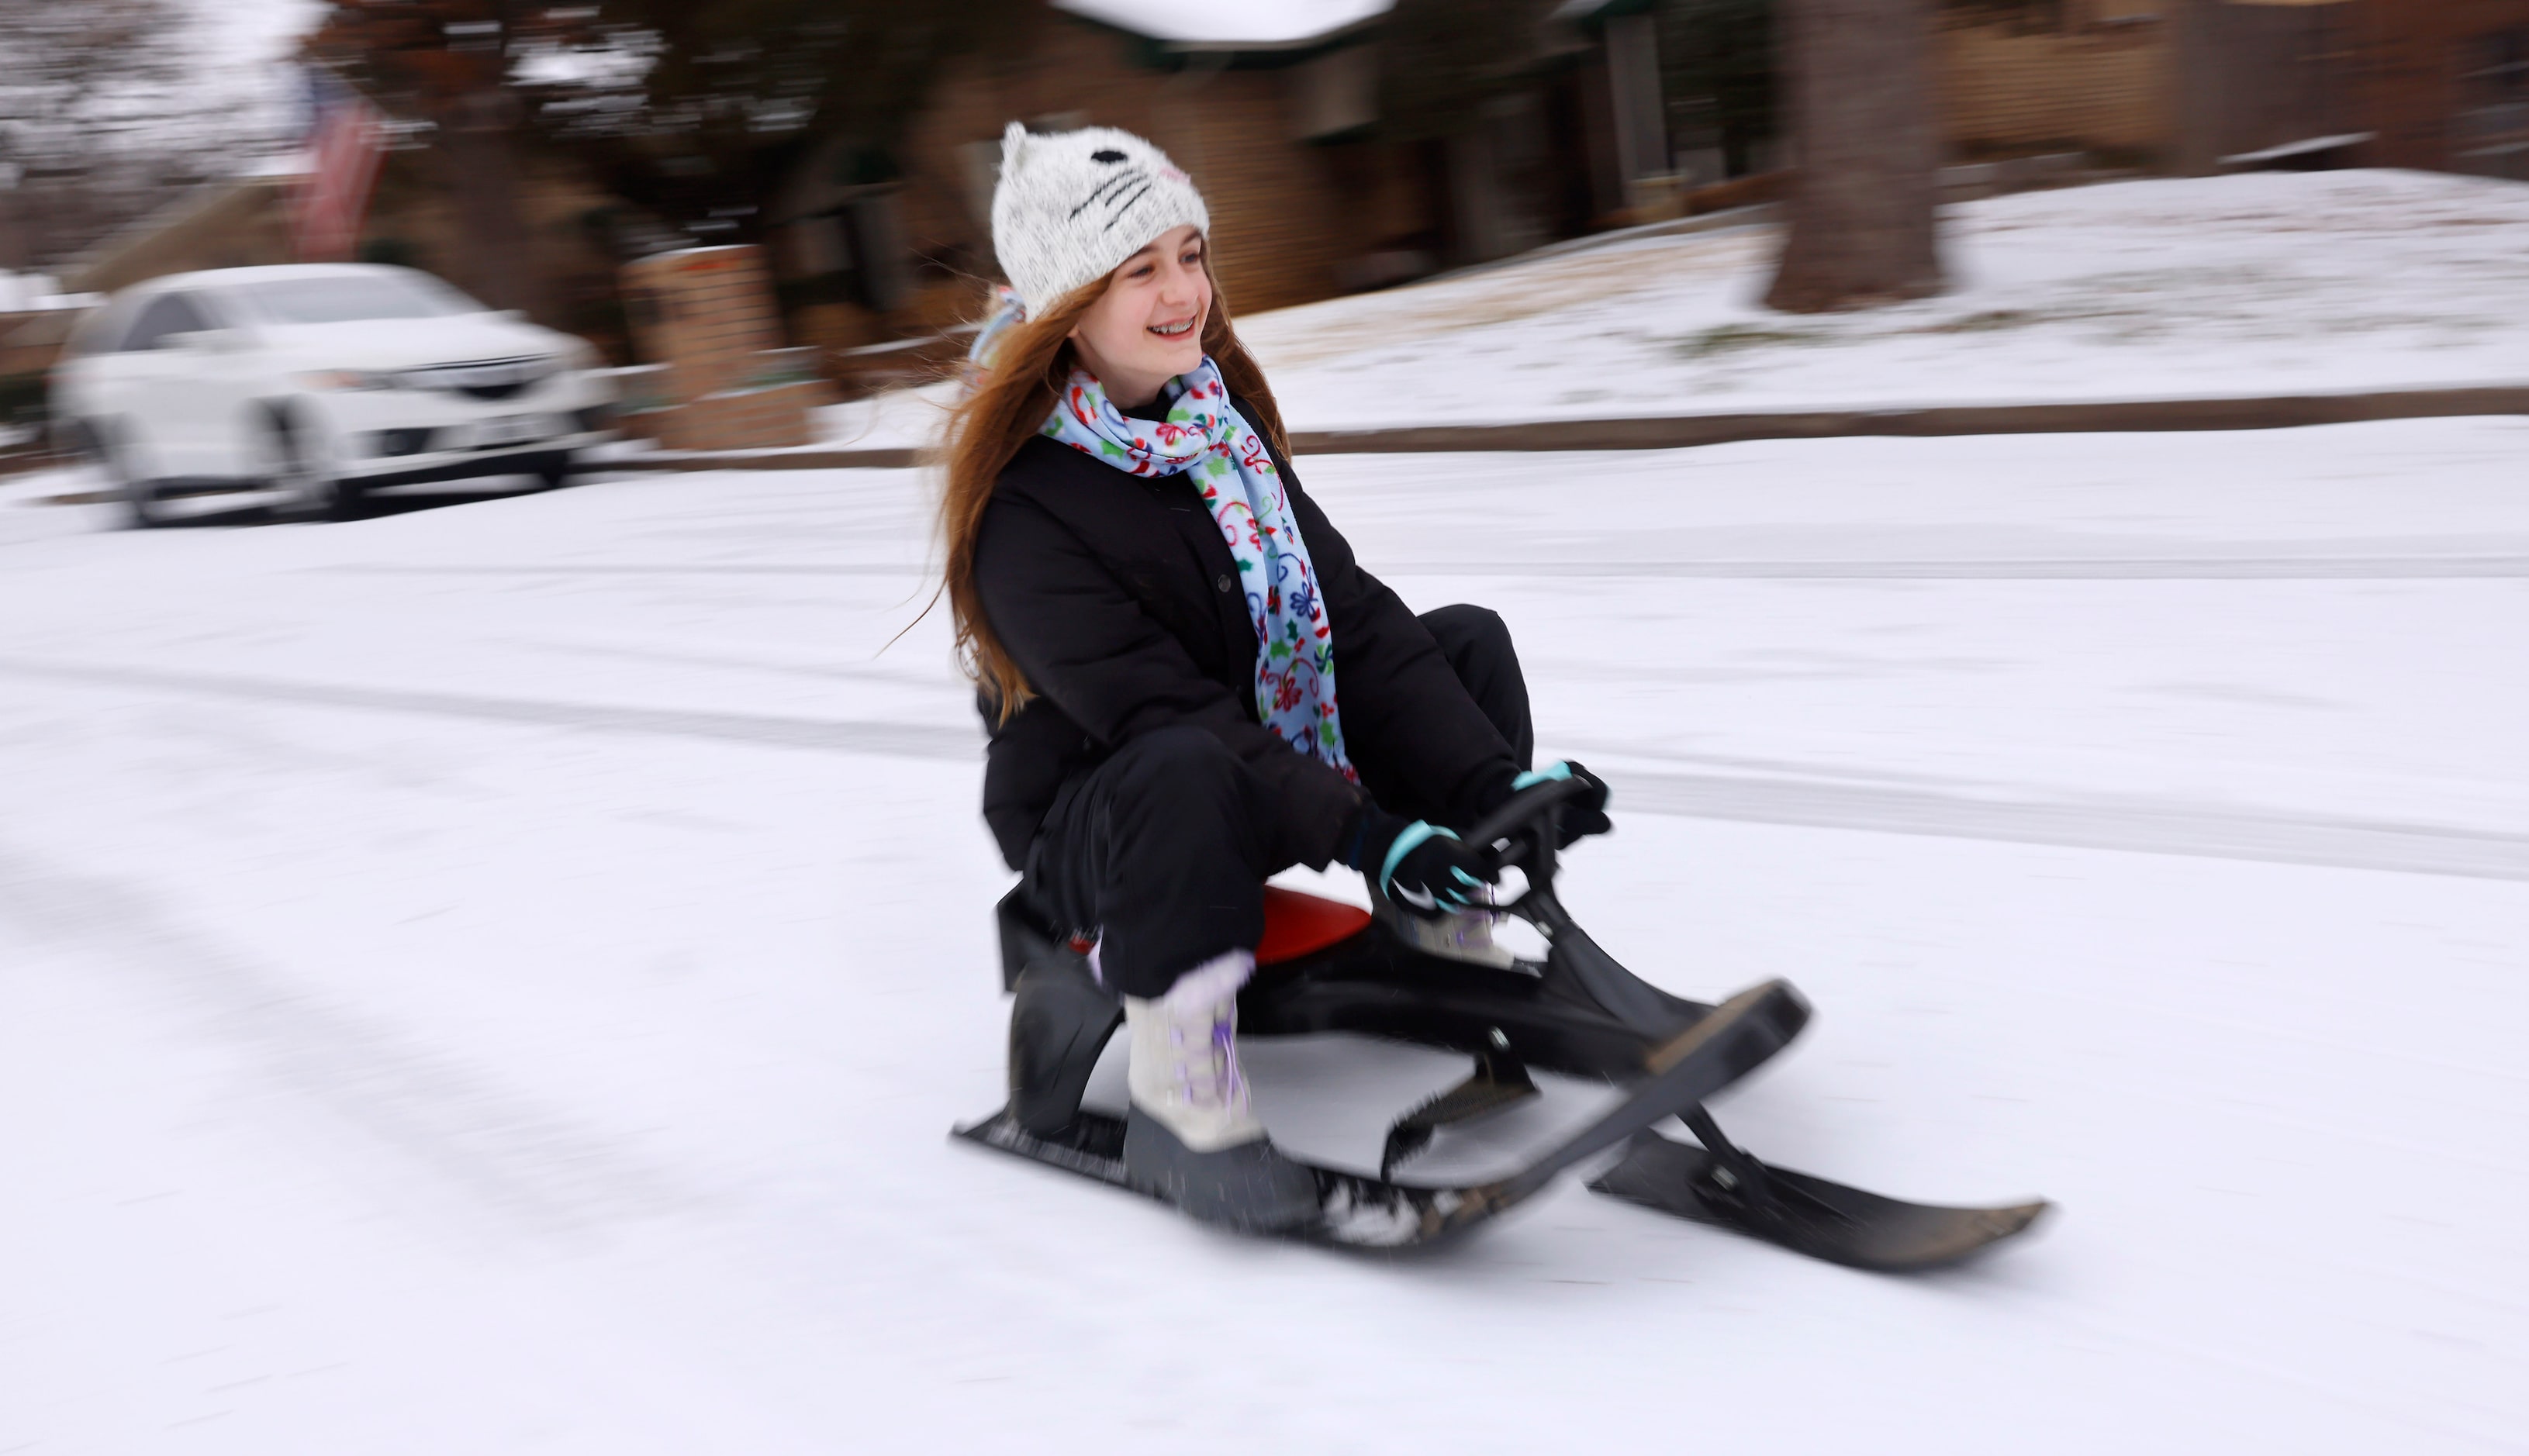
{"x":345,"y":136}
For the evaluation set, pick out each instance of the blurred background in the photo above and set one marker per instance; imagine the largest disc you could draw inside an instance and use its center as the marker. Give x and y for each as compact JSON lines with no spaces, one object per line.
{"x":528,"y":152}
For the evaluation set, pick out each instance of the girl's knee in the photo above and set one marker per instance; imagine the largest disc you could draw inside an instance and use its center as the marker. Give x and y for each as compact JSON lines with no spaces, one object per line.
{"x":1177,"y":761}
{"x":1467,"y":627}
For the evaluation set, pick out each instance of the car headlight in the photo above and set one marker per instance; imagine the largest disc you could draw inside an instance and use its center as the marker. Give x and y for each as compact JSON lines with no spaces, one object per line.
{"x":348,"y":379}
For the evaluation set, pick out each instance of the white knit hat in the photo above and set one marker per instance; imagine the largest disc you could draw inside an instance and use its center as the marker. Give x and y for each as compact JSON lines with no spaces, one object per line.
{"x":1072,"y":206}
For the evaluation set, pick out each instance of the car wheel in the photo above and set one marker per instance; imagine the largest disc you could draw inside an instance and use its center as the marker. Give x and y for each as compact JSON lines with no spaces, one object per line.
{"x":99,"y":442}
{"x":289,"y":468}
{"x":555,"y":469}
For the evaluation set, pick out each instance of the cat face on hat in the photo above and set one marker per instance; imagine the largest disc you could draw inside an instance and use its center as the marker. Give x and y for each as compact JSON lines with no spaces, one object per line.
{"x":1073,"y":205}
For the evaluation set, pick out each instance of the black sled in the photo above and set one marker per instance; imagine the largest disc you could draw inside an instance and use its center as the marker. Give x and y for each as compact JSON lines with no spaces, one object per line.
{"x":1328,"y":966}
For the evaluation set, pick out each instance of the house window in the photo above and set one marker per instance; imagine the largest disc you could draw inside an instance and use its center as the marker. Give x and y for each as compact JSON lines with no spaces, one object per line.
{"x":1335,"y":94}
{"x":2490,"y":135}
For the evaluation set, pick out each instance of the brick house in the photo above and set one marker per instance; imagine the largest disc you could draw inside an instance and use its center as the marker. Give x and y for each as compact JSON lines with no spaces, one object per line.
{"x":2434,"y":85}
{"x":1280,"y":129}
{"x":2087,"y":75}
{"x":2442,"y":85}
{"x":1277,"y":123}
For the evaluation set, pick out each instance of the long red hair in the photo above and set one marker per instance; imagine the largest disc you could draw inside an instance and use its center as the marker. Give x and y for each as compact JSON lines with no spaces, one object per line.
{"x":1011,"y":403}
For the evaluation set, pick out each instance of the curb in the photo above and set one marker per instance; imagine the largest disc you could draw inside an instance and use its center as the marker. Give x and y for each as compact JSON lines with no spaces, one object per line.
{"x":2124,"y":416}
{"x":875,"y":460}
{"x":1680,"y":432}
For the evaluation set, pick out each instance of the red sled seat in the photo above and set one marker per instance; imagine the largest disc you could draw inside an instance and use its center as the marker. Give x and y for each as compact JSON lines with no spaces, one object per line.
{"x":1298,"y":925}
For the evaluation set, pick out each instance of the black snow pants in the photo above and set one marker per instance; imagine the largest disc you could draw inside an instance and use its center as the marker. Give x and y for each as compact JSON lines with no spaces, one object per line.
{"x":1157,"y":849}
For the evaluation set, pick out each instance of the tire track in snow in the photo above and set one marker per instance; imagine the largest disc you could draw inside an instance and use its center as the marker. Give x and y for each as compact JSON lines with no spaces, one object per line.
{"x":961,"y":744}
{"x":531,"y":1169}
{"x":2141,"y":826}
{"x":634,"y":569}
{"x":2105,"y":569}
{"x":2144,"y":826}
{"x":2179,"y":569}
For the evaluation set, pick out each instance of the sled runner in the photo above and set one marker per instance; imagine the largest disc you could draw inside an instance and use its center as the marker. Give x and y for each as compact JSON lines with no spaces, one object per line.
{"x":1328,"y":966}
{"x":1355,"y":1212}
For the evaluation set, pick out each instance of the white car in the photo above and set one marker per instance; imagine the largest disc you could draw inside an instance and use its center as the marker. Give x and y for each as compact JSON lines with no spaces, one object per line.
{"x":317,"y":382}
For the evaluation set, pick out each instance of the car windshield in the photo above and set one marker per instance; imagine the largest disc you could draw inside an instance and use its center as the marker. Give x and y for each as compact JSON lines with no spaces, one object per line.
{"x":343,"y":297}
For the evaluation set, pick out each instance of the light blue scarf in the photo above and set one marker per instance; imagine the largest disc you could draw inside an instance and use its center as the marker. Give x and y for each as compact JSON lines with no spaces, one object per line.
{"x":1224,"y":457}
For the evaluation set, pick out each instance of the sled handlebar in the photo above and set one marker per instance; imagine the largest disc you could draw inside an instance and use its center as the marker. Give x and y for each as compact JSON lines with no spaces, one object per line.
{"x":1522,"y":831}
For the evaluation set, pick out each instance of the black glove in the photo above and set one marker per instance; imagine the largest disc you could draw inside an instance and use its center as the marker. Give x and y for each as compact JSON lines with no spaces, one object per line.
{"x":1418,"y":866}
{"x":1575,"y":818}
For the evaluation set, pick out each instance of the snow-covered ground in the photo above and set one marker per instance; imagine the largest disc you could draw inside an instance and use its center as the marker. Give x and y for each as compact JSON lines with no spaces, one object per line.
{"x":2264,"y":284}
{"x":2270,"y":283}
{"x":500,"y":977}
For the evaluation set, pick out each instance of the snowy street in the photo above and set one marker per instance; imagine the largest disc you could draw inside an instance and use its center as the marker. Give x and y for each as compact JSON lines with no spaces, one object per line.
{"x":500,"y":977}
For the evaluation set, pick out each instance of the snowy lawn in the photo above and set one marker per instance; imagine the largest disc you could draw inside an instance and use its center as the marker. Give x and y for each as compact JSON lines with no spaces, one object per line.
{"x":2266,"y":284}
{"x":500,"y":977}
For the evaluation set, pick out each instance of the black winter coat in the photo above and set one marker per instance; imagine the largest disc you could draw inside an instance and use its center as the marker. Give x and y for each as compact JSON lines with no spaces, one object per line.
{"x":1117,"y":597}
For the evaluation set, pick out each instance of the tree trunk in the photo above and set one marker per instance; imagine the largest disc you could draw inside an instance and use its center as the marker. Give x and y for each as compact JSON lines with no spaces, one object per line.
{"x":17,"y":238}
{"x":2201,"y":114}
{"x":497,"y":258}
{"x":1863,"y":231}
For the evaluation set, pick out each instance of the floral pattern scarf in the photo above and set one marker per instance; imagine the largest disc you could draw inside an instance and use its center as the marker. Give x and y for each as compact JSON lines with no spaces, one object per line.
{"x":1204,"y":437}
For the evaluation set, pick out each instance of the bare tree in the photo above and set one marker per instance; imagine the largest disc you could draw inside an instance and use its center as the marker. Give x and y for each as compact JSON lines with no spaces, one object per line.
{"x":693,"y":111}
{"x":97,"y":124}
{"x":1863,"y":229}
{"x":698,"y":114}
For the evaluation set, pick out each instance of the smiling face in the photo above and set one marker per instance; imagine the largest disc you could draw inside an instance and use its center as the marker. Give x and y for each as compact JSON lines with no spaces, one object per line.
{"x":1147,"y":328}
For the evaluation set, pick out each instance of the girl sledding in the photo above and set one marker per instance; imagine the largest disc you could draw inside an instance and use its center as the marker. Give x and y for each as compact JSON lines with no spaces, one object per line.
{"x":1190,"y":685}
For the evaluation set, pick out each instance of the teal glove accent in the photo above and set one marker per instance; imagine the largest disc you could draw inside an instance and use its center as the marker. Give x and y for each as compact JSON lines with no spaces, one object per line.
{"x":1418,"y":866}
{"x":1558,"y":769}
{"x":1584,"y":815}
{"x":1406,"y":839}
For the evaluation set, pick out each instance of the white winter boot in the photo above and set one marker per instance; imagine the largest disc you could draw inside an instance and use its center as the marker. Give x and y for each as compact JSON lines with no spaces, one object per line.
{"x":1191,"y":1135}
{"x":1467,"y":935}
{"x":1185,"y":1057}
